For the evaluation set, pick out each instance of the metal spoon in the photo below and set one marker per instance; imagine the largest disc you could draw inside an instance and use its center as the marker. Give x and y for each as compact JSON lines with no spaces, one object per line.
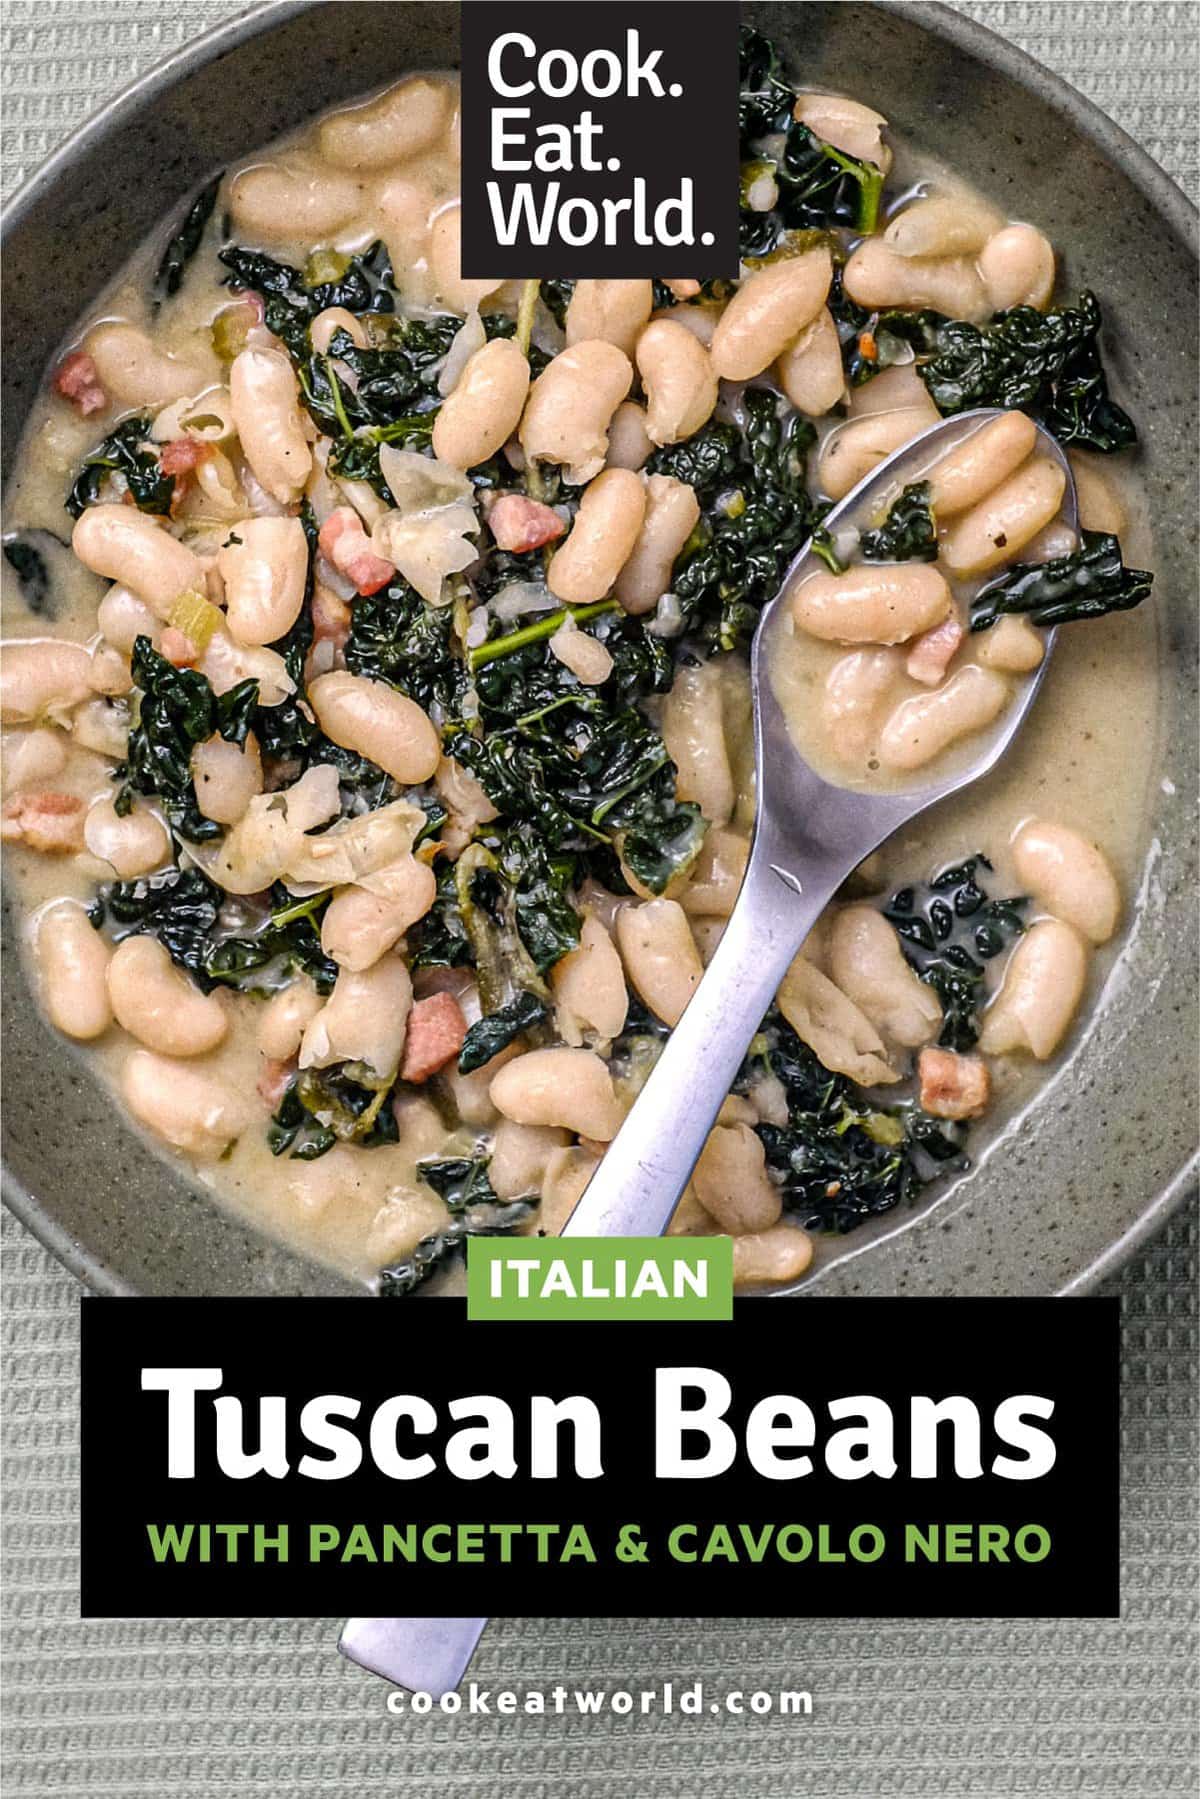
{"x":808,"y":836}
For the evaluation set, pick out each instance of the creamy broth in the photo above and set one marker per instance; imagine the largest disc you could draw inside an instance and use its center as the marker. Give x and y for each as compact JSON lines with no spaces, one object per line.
{"x":1084,"y":759}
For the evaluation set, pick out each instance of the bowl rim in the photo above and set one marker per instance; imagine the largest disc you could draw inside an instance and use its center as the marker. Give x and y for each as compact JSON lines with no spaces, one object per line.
{"x":970,"y":35}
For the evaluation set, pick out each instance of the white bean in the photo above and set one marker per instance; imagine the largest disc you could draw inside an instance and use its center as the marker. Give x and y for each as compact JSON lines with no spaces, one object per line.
{"x":205,"y":417}
{"x":893,"y":390}
{"x":445,"y":262}
{"x":716,"y":874}
{"x":122,"y":617}
{"x":470,"y":1092}
{"x":282,"y":202}
{"x":379,"y":723}
{"x":361,"y":924}
{"x":876,"y":277}
{"x":921,"y":728}
{"x":32,"y":758}
{"x":365,"y":1019}
{"x":766,"y":1258}
{"x":1100,"y":505}
{"x":732,"y":1184}
{"x":110,"y":676}
{"x":602,"y":537}
{"x":837,"y":1030}
{"x":672,"y":513}
{"x":586,"y":657}
{"x":285,"y":1017}
{"x":613,"y":311}
{"x":589,"y":984}
{"x":693,"y":731}
{"x":192,"y":1109}
{"x":1043,"y":985}
{"x":846,"y":124}
{"x":1069,"y":876}
{"x":131,"y":845}
{"x":679,"y":381}
{"x":629,"y":442}
{"x":855,"y":691}
{"x":156,"y":1002}
{"x":519,"y":1157}
{"x":570,"y":1088}
{"x":407,"y":119}
{"x":404,"y":206}
{"x":567,"y":1174}
{"x":134,"y":371}
{"x":101,"y":726}
{"x":882,"y":602}
{"x":126,"y":545}
{"x":327,"y":324}
{"x":72,"y":960}
{"x":1011,"y":646}
{"x":265,"y":396}
{"x":571,"y":405}
{"x":263,"y":565}
{"x":701,"y":321}
{"x":42,"y":675}
{"x":972,"y":471}
{"x":810,"y":369}
{"x":1011,"y":516}
{"x":769,"y":311}
{"x":1017,"y":266}
{"x":852,"y":450}
{"x":485,"y":406}
{"x":660,"y":956}
{"x":226,"y":777}
{"x":941,"y":225}
{"x":867,"y":963}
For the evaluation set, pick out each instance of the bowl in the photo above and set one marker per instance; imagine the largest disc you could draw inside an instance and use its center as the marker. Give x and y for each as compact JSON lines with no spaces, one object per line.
{"x":1104,"y":1151}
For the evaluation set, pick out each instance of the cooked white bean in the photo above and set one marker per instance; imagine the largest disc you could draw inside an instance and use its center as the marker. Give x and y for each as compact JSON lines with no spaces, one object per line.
{"x":613,"y":311}
{"x":567,"y":1174}
{"x":602,"y":537}
{"x":694,"y":733}
{"x":406,"y":119}
{"x":470,"y":1093}
{"x":571,"y":405}
{"x":586,"y":657}
{"x":1017,"y":266}
{"x":263,"y":565}
{"x":1069,"y":875}
{"x":589,"y":985}
{"x":765,"y":1258}
{"x":679,"y":381}
{"x":852,"y":450}
{"x":834,"y":1028}
{"x":881,"y":602}
{"x":101,"y":726}
{"x":42,"y":675}
{"x":660,"y":956}
{"x":1011,"y":516}
{"x":404,"y":205}
{"x":110,"y":674}
{"x":701,"y":321}
{"x":122,"y":617}
{"x":1043,"y":985}
{"x":132,"y":845}
{"x":941,"y":225}
{"x":708,"y":933}
{"x":875,"y":276}
{"x":265,"y":395}
{"x":445,"y":263}
{"x":126,"y":545}
{"x":893,"y":390}
{"x":134,"y":371}
{"x":867,"y":963}
{"x":519,"y":1157}
{"x":570,"y":1088}
{"x":365,"y":1019}
{"x":285,"y":1017}
{"x":205,"y":417}
{"x":1011,"y":646}
{"x":361,"y":924}
{"x":72,"y":959}
{"x":32,"y":758}
{"x":856,"y":689}
{"x":846,"y":124}
{"x":969,"y":473}
{"x":327,"y":324}
{"x":769,"y":311}
{"x":282,"y":202}
{"x":225,"y":663}
{"x":629,"y":443}
{"x":465,"y":801}
{"x":192,"y":1109}
{"x":672,"y":513}
{"x":921,"y":728}
{"x":732,"y":1184}
{"x":226,"y":777}
{"x":485,"y":406}
{"x":379,"y":723}
{"x":716,"y":875}
{"x":156,"y":1002}
{"x":810,"y":370}
{"x":1100,"y":506}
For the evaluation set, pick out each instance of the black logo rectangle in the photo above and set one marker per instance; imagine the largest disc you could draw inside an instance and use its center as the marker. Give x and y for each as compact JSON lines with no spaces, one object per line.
{"x":599,"y":139}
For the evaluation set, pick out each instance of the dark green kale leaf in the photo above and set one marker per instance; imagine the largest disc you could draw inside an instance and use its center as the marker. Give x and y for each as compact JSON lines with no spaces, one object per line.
{"x":186,"y":241}
{"x":459,"y":1180}
{"x":1089,"y":582}
{"x":908,"y":533}
{"x":125,"y":452}
{"x":396,"y":637}
{"x":29,"y":566}
{"x":707,"y":462}
{"x":496,"y":1030}
{"x":438,"y":1252}
{"x":555,"y":296}
{"x":365,"y":284}
{"x":179,"y":907}
{"x":357,"y":457}
{"x":541,"y":884}
{"x":392,"y":381}
{"x":949,"y":928}
{"x":324,"y":1106}
{"x":287,"y":943}
{"x":293,"y":1129}
{"x":177,"y":710}
{"x":439,"y":940}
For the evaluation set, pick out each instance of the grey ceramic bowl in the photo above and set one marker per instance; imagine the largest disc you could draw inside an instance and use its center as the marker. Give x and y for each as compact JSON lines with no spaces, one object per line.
{"x":1104,"y":1152}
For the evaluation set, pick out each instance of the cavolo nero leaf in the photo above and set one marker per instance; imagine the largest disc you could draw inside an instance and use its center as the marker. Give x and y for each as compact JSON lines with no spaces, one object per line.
{"x":126,"y":452}
{"x":908,"y":533}
{"x":439,"y":1251}
{"x":496,"y":1030}
{"x":177,"y":710}
{"x":1086,"y":584}
{"x":949,"y":928}
{"x":186,"y":240}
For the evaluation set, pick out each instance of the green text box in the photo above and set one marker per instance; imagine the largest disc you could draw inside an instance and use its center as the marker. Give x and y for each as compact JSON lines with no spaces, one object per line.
{"x":599,"y":1277}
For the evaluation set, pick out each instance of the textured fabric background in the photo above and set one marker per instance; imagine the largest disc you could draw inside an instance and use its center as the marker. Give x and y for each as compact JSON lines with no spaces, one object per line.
{"x":964,"y":1710}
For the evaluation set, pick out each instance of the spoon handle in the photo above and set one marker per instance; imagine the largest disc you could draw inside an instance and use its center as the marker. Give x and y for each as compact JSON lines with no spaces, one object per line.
{"x":646,"y":1168}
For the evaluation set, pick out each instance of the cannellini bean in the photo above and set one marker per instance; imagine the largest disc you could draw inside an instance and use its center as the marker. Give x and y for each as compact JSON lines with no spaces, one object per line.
{"x":679,"y":381}
{"x":769,"y":311}
{"x":612,"y":311}
{"x":586,"y":657}
{"x":810,"y":369}
{"x":226,"y":777}
{"x":921,"y":728}
{"x":846,"y":124}
{"x":629,"y":443}
{"x":1069,"y":876}
{"x":1043,"y":985}
{"x":445,"y":263}
{"x":765,"y":1258}
{"x":732,"y":1184}
{"x":225,"y":663}
{"x":263,"y":565}
{"x":1011,"y":646}
{"x":265,"y":396}
{"x":465,"y":801}
{"x":126,"y":545}
{"x":285,"y":1017}
{"x":327,"y":324}
{"x":279,"y":202}
{"x":693,"y":731}
{"x":708,"y":933}
{"x":867,"y":963}
{"x":110,"y":674}
{"x":404,"y":206}
{"x":1100,"y":506}
{"x":72,"y":959}
{"x":876,"y":277}
{"x":361,"y":924}
{"x":156,"y":1002}
{"x":602,"y":538}
{"x":379,"y":723}
{"x":701,"y":321}
{"x":716,"y":875}
{"x":941,"y":225}
{"x":972,"y":471}
{"x":1011,"y":516}
{"x":882,"y":602}
{"x":855,"y":691}
{"x":192,"y":1109}
{"x":131,"y":845}
{"x":39,"y":676}
{"x":101,"y":726}
{"x":570,"y":406}
{"x":672,"y":513}
{"x":135,"y":371}
{"x":1017,"y":266}
{"x":31,"y":758}
{"x":689,"y":1219}
{"x":660,"y":956}
{"x":834,"y":1028}
{"x":892,"y":390}
{"x":409,"y":118}
{"x":570,"y":1088}
{"x":852,"y":450}
{"x":365,"y":1019}
{"x":567,"y":1174}
{"x":589,"y":984}
{"x":121,"y":618}
{"x":520,"y":1155}
{"x":470,"y":1093}
{"x":484,"y":408}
